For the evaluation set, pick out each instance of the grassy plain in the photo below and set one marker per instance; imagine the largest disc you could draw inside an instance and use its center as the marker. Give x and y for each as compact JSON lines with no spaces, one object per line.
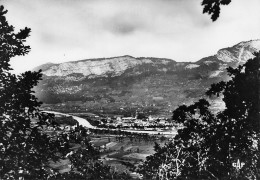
{"x":125,"y":154}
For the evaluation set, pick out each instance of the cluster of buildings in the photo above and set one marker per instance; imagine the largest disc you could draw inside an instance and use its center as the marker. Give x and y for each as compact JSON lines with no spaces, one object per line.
{"x":119,"y":121}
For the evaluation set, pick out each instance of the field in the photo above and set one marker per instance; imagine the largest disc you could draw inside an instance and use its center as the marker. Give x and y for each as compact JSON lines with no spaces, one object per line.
{"x":119,"y":152}
{"x":125,"y":153}
{"x":123,"y":150}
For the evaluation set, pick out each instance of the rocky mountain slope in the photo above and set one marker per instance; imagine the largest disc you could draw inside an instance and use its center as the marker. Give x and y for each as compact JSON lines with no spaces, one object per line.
{"x":126,"y":83}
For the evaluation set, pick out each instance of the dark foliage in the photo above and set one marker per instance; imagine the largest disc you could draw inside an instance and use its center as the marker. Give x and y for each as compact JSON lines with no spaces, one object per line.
{"x":208,"y":144}
{"x":212,"y":7}
{"x":65,"y":120}
{"x":25,"y":148}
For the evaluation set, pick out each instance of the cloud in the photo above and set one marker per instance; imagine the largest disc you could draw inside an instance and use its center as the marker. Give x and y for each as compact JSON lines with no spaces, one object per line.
{"x":123,"y":24}
{"x":65,"y":30}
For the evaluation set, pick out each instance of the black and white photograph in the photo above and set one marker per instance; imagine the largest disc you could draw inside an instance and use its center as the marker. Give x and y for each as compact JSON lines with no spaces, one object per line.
{"x":129,"y":90}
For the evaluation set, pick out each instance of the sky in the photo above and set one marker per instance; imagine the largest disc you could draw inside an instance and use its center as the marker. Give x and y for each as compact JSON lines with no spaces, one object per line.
{"x":70,"y":30}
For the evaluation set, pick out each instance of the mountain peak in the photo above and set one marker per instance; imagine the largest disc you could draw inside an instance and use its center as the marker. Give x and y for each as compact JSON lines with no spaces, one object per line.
{"x":253,"y":43}
{"x":155,"y":85}
{"x":116,"y":66}
{"x":240,"y":52}
{"x":127,"y":56}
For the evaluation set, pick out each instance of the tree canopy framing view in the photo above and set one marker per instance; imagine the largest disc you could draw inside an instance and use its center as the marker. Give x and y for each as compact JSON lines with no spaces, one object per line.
{"x":223,"y":145}
{"x":208,"y":145}
{"x":26,"y":150}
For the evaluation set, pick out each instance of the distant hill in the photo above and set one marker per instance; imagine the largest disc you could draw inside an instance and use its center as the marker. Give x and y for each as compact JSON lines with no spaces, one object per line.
{"x":43,"y":67}
{"x":153,"y":85}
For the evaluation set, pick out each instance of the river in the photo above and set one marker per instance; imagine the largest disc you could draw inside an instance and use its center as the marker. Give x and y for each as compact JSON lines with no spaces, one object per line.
{"x":80,"y":120}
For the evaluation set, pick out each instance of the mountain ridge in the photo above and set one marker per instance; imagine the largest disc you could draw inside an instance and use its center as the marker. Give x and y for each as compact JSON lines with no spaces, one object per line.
{"x":160,"y":84}
{"x":100,"y":66}
{"x":235,"y":53}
